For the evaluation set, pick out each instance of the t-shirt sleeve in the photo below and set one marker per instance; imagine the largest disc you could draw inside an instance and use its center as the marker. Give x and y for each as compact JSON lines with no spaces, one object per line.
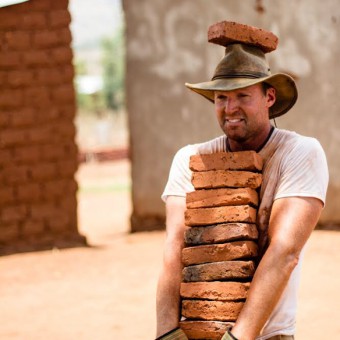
{"x":179,"y":181}
{"x":304,"y":171}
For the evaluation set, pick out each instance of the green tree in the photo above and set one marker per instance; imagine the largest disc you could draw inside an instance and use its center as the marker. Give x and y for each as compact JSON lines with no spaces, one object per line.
{"x":113,"y":70}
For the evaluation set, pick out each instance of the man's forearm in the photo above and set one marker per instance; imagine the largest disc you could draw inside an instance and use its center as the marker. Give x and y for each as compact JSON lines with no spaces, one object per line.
{"x":168,"y":302}
{"x":269,"y":281}
{"x":291,"y":223}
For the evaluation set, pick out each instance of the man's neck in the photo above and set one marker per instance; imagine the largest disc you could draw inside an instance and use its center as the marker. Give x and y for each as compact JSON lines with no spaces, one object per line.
{"x":234,"y":146}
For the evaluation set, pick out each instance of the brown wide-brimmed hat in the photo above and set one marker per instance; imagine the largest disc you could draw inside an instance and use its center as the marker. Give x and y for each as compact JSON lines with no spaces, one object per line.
{"x":245,"y":65}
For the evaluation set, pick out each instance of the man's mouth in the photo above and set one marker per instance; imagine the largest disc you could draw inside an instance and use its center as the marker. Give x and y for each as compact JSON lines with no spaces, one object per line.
{"x":234,"y":120}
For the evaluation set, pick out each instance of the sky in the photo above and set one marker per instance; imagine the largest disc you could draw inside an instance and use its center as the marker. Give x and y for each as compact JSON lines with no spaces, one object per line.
{"x":91,"y":20}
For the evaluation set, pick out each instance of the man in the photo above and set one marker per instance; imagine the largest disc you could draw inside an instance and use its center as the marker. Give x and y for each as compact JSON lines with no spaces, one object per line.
{"x":295,"y":178}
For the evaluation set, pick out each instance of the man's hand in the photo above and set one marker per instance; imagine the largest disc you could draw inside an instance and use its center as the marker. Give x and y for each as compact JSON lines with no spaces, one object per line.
{"x":175,"y":334}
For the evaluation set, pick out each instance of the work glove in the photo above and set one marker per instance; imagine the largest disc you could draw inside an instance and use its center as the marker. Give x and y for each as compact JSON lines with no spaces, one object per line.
{"x":228,"y":336}
{"x":174,"y":334}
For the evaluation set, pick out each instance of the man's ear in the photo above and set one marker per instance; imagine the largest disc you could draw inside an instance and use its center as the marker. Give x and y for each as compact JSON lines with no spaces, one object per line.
{"x":271,"y":96}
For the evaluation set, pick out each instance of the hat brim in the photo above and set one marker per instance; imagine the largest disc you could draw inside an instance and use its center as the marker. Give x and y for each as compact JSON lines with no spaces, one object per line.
{"x":286,"y":91}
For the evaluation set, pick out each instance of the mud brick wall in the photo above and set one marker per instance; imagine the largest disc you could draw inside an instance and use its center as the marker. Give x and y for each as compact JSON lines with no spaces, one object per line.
{"x":220,"y":241}
{"x":38,"y":155}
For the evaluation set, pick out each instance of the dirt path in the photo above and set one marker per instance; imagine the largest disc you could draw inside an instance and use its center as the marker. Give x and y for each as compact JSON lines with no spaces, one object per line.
{"x":108,"y":291}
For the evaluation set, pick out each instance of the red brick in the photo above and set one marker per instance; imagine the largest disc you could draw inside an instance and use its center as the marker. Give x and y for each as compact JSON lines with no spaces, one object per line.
{"x":221,"y":197}
{"x":6,"y":156}
{"x":67,"y":168}
{"x":71,"y":149}
{"x":60,"y":4}
{"x":65,"y":129}
{"x":54,"y":76}
{"x":3,"y":78}
{"x":28,"y":192}
{"x":62,"y":223}
{"x":243,"y":160}
{"x":7,"y":196}
{"x":16,"y":174}
{"x":213,"y":330}
{"x":223,"y":179}
{"x":32,"y":227}
{"x":11,"y":98}
{"x":50,"y":114}
{"x":45,"y":211}
{"x":61,"y":55}
{"x":7,"y":21}
{"x":34,"y":20}
{"x":8,"y":231}
{"x":208,"y":216}
{"x":20,"y":78}
{"x":68,"y":204}
{"x":59,"y":151}
{"x":220,"y":233}
{"x":14,"y":213}
{"x":12,"y":137}
{"x":37,"y":96}
{"x":26,"y":154}
{"x":225,"y":33}
{"x":219,"y":252}
{"x":17,"y":40}
{"x":59,"y":188}
{"x":68,"y":110}
{"x":45,"y":38}
{"x":226,"y":270}
{"x":35,"y":5}
{"x":63,"y":94}
{"x":4,"y":119}
{"x":52,"y":152}
{"x":36,"y":58}
{"x":67,"y":72}
{"x":48,"y":76}
{"x":211,"y":310}
{"x":23,"y":117}
{"x":215,"y":290}
{"x":40,"y":134}
{"x":65,"y":37}
{"x":59,"y":18}
{"x":43,"y":171}
{"x":51,"y":38}
{"x":9,"y":59}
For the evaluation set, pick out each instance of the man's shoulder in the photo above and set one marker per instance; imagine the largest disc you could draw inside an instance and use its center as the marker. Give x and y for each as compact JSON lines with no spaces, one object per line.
{"x":293,"y":139}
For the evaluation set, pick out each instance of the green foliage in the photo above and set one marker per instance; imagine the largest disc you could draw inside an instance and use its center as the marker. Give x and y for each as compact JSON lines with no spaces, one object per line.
{"x":113,"y":70}
{"x":111,"y":95}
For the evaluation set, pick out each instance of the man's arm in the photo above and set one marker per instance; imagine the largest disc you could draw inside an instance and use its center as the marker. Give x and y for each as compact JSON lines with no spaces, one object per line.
{"x":291,"y":223}
{"x":168,"y":298}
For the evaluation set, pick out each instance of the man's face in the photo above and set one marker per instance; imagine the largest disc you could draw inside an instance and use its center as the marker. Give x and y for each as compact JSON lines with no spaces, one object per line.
{"x":243,"y":115}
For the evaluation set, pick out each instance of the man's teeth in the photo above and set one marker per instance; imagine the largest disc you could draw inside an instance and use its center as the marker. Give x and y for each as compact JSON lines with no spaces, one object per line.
{"x":234,"y":120}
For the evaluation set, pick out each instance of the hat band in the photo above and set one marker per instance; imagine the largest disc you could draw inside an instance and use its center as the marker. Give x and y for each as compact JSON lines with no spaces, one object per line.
{"x":241,"y":75}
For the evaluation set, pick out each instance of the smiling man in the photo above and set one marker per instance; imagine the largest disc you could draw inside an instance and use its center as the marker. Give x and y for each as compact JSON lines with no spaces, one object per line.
{"x":295,"y":178}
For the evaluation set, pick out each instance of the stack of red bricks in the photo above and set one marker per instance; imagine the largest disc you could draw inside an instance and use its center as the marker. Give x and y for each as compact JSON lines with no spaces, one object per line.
{"x":221,"y":241}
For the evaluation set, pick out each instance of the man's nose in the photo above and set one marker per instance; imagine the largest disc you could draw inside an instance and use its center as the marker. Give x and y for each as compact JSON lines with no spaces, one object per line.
{"x":231,"y":105}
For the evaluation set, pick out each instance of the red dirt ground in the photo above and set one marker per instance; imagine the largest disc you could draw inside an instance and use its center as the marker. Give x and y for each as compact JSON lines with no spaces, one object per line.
{"x":107,"y":291}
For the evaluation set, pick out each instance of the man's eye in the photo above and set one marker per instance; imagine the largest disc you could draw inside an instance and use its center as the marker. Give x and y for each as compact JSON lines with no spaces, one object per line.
{"x":221,"y":97}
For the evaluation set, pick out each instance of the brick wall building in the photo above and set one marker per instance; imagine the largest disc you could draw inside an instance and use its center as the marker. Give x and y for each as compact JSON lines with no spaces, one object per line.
{"x":38,"y":154}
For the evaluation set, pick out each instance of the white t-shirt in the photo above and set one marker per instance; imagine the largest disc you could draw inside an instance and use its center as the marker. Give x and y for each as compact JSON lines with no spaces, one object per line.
{"x":294,"y":166}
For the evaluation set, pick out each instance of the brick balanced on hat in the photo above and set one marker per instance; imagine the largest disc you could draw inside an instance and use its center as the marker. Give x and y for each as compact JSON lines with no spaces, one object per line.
{"x":220,"y":241}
